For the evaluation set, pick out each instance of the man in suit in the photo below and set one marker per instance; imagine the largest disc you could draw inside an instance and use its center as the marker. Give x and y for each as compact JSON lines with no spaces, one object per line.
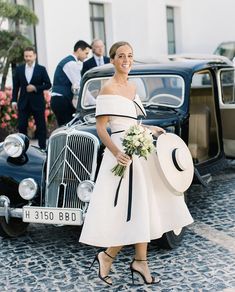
{"x":29,"y":82}
{"x":68,"y":76}
{"x":98,"y":58}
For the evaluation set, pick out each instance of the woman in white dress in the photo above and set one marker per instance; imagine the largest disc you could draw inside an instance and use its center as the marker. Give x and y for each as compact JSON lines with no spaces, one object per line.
{"x":141,"y":213}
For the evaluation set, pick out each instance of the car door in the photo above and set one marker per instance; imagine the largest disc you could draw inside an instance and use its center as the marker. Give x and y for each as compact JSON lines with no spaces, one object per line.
{"x":226,"y":82}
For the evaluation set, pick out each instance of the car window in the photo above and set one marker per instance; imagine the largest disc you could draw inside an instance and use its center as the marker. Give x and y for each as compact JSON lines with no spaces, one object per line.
{"x":227,"y":86}
{"x":140,"y":87}
{"x":162,"y":90}
{"x":202,"y":78}
{"x":226,"y":49}
{"x":91,"y":91}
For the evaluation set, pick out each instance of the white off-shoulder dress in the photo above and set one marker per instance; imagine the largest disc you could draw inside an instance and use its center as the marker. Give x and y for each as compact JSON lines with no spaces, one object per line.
{"x":143,"y":211}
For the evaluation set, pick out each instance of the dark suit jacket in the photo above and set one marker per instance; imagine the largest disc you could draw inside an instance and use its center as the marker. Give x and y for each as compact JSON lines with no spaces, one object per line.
{"x":40,"y":80}
{"x":90,"y":63}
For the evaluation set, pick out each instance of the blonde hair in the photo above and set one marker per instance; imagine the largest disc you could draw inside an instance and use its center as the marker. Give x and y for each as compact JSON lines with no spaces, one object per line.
{"x":115,"y":46}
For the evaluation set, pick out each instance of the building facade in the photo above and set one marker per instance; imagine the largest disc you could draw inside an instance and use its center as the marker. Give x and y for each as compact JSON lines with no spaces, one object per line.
{"x":153,"y":27}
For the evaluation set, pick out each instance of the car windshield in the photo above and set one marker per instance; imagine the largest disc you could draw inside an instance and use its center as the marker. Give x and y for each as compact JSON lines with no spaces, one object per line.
{"x":226,"y":49}
{"x":161,"y":90}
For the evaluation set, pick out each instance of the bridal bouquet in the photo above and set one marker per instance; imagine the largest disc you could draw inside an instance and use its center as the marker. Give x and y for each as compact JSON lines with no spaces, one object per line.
{"x":138,"y":141}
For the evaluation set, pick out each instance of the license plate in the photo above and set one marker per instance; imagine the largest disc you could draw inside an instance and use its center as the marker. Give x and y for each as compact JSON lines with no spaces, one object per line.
{"x":52,"y":215}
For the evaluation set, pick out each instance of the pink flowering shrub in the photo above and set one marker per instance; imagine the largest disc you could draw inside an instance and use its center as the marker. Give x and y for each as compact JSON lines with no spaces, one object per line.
{"x":49,"y":115}
{"x":9,"y":117}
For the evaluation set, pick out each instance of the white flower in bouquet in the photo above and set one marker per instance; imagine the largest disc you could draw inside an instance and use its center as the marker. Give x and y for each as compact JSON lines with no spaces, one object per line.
{"x":137,"y":140}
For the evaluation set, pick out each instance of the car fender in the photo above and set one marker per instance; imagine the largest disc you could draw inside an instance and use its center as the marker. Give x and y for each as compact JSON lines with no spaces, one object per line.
{"x":14,"y":170}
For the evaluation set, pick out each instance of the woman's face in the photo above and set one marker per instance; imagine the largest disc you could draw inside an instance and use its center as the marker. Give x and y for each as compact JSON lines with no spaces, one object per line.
{"x":123,"y":59}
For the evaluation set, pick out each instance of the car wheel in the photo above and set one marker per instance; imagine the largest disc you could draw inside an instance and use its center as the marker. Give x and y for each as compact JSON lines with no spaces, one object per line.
{"x":171,"y":239}
{"x":15,"y":227}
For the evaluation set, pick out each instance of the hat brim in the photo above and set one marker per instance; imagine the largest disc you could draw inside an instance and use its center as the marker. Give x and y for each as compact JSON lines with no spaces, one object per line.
{"x":179,"y":180}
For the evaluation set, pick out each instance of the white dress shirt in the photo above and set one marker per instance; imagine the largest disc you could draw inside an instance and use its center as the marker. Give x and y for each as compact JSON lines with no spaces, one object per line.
{"x":73,"y":72}
{"x":99,"y":60}
{"x":29,"y":72}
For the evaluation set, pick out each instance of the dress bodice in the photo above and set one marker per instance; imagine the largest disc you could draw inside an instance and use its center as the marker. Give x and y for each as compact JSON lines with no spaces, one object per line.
{"x":122,"y":112}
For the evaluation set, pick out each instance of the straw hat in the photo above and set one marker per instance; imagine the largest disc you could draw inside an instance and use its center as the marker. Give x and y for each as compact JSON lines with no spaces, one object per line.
{"x":175,"y":161}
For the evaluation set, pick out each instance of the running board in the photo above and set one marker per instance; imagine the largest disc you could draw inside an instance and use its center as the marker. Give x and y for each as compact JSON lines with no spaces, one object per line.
{"x":203,"y":179}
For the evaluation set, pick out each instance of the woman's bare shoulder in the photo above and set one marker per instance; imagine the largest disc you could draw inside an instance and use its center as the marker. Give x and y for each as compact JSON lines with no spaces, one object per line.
{"x":132,"y":85}
{"x":107,"y":88}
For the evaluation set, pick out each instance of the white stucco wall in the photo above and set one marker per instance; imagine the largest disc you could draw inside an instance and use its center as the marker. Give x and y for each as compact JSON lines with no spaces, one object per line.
{"x":133,"y":22}
{"x":62,"y":24}
{"x":142,"y":23}
{"x":206,"y":23}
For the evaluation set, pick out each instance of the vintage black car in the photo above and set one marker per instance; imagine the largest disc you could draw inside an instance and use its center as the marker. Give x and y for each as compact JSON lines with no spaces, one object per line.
{"x":55,"y":187}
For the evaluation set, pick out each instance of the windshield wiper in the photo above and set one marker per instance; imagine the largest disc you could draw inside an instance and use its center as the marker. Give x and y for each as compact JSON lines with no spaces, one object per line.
{"x":161,"y":107}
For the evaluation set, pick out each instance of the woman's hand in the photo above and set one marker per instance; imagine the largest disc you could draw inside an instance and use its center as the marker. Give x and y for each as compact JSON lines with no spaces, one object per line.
{"x":122,"y":158}
{"x":157,"y":130}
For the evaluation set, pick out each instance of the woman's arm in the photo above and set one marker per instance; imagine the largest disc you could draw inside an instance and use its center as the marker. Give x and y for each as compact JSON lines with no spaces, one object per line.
{"x":101,"y":126}
{"x":155,"y":130}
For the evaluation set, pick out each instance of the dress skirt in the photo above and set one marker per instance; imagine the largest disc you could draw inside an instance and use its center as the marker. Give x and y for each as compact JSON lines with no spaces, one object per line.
{"x":155,"y":208}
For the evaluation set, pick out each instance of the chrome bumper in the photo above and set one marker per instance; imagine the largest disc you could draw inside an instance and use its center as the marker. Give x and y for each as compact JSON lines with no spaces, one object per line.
{"x":8,"y":212}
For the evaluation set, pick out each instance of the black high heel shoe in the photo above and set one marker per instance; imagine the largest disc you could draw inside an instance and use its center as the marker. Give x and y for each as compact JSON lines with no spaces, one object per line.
{"x":154,"y":281}
{"x":105,"y":278}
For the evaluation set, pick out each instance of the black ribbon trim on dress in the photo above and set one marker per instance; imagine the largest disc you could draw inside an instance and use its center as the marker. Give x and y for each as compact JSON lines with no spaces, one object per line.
{"x":117,"y":191}
{"x":144,"y":114}
{"x":175,"y":161}
{"x":129,"y":207}
{"x":130,"y":187}
{"x":130,"y":192}
{"x":117,"y":132}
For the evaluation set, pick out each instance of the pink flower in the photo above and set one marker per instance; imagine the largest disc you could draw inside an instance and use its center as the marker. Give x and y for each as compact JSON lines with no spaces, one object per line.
{"x":8,"y":92}
{"x":7,"y":117}
{"x":2,"y":95}
{"x":47,"y":113}
{"x":31,"y":124}
{"x":47,"y":96}
{"x":3,"y":125}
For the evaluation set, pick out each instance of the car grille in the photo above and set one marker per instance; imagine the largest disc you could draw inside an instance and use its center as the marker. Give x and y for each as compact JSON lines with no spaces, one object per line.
{"x":71,"y":159}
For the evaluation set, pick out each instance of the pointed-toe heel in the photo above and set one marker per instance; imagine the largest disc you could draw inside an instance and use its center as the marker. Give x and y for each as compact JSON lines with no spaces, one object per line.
{"x":133,"y":271}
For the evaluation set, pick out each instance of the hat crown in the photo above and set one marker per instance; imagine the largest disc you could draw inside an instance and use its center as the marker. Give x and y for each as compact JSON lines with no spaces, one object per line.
{"x":181,"y":159}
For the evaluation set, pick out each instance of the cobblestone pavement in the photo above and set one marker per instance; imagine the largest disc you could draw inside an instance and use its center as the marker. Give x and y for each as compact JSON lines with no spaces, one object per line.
{"x":49,"y":258}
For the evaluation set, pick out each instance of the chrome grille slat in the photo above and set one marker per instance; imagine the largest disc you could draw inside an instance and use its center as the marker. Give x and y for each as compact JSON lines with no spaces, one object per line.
{"x":57,"y":161}
{"x":70,"y":176}
{"x":71,"y":158}
{"x":71,"y":152}
{"x":52,"y":176}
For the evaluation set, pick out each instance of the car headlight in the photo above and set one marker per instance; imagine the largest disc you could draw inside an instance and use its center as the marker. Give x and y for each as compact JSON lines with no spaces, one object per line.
{"x":28,"y":188}
{"x":16,"y":144}
{"x":84,"y":190}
